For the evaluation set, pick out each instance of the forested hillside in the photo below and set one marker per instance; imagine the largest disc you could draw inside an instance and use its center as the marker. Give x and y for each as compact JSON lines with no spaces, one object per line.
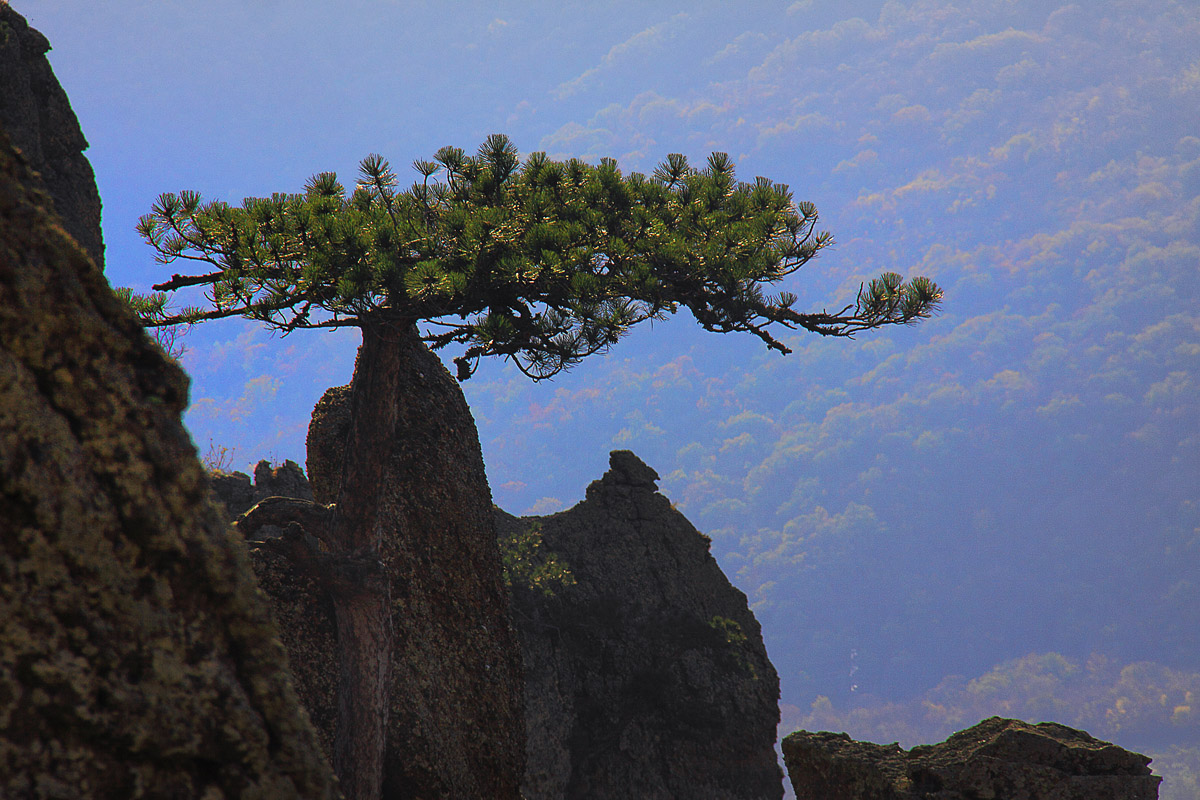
{"x":1015,"y":476}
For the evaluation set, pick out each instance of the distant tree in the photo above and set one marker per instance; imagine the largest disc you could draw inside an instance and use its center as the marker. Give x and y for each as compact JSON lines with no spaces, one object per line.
{"x":541,"y":262}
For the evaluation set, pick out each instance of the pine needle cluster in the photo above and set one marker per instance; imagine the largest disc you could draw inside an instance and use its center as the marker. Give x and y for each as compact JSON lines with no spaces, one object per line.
{"x":539,"y":261}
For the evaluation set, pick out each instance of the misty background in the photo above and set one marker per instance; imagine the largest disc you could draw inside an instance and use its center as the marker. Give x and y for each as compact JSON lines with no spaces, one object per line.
{"x":992,"y":512}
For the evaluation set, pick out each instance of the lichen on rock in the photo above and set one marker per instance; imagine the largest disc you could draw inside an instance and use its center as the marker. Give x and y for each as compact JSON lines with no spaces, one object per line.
{"x":137,"y":658}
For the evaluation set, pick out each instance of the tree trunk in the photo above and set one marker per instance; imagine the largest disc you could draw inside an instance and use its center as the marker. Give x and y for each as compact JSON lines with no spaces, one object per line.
{"x":374,"y":392}
{"x":364,"y":629}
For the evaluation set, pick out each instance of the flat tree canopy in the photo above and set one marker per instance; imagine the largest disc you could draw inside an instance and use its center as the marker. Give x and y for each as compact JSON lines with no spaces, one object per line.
{"x":543,"y":262}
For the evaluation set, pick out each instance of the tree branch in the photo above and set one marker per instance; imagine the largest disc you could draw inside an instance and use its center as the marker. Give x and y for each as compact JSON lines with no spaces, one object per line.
{"x":180,"y":281}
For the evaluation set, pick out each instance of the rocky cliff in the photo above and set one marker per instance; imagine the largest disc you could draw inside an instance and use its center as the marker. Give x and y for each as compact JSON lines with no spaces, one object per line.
{"x":137,"y":658}
{"x":998,"y":759}
{"x":646,"y":677}
{"x":37,"y":115}
{"x":456,"y":723}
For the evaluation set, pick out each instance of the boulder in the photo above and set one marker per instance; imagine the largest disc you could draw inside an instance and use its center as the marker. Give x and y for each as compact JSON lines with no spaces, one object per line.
{"x":137,"y":657}
{"x":37,"y":115}
{"x":647,"y":676}
{"x":998,"y":759}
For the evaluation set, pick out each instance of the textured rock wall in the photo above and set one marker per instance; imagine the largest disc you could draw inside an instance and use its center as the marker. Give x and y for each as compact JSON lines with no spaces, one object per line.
{"x":137,"y":658}
{"x":631,"y":689}
{"x":37,"y":115}
{"x":648,"y":677}
{"x":237,"y":493}
{"x":456,"y":727}
{"x":998,"y":759}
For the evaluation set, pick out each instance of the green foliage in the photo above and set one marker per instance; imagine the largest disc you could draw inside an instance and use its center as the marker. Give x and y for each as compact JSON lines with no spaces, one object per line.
{"x":729,"y":629}
{"x":152,"y":309}
{"x":543,"y":262}
{"x":526,"y":563}
{"x":1142,"y":705}
{"x":732,"y":633}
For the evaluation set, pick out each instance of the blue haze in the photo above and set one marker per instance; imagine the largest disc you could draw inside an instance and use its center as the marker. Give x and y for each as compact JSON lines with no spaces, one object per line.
{"x":1018,"y":475}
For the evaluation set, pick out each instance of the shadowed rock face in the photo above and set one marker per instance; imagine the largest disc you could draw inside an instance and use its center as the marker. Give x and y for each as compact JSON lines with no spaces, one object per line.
{"x":648,"y":677}
{"x":137,"y":658}
{"x":998,"y":759}
{"x":456,"y":724}
{"x":236,"y":492}
{"x":36,"y":114}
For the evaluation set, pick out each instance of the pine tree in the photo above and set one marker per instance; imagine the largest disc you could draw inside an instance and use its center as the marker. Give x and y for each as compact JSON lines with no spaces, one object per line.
{"x":542,"y":263}
{"x":538,"y":261}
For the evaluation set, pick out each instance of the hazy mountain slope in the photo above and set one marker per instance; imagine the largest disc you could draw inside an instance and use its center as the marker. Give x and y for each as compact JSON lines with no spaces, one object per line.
{"x":1015,"y":476}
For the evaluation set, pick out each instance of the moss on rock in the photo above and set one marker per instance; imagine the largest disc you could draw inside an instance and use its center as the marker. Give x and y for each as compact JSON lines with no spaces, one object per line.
{"x":137,"y":657}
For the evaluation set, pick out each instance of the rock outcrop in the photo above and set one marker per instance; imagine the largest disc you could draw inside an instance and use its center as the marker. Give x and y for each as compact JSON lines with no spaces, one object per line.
{"x":456,"y":727}
{"x":998,"y":759}
{"x":237,"y":493}
{"x":646,"y":677}
{"x":456,"y":724}
{"x":137,"y":657}
{"x":36,"y":114}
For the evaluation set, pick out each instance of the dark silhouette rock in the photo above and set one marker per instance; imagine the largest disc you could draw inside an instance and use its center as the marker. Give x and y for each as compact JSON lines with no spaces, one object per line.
{"x":237,"y":493}
{"x":326,"y":434}
{"x":998,"y":759}
{"x":137,"y":657}
{"x":647,"y":677}
{"x":456,"y":722}
{"x":35,"y":112}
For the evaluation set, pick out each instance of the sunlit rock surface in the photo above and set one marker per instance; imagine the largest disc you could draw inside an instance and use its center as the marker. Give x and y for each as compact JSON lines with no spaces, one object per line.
{"x":998,"y":759}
